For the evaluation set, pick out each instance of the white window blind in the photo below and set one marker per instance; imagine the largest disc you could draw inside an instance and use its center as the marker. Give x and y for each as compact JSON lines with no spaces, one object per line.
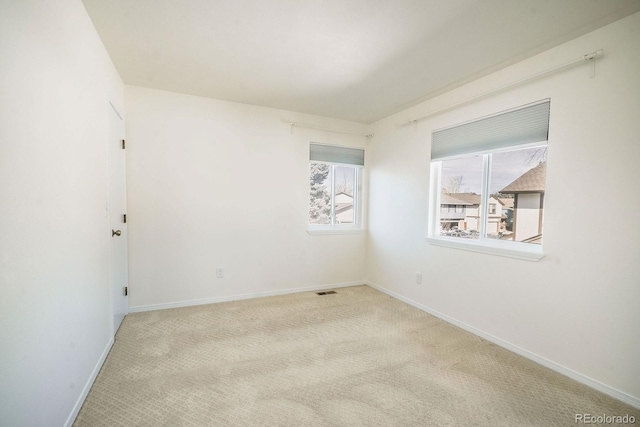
{"x":524,"y":125}
{"x":333,"y":154}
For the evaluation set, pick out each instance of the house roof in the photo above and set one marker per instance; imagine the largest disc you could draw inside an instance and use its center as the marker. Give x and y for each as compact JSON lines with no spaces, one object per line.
{"x":343,"y":207}
{"x":466,"y":198}
{"x":346,"y":194}
{"x":463,"y":199}
{"x":470,"y":198}
{"x":532,"y":181}
{"x":453,"y":199}
{"x":507,"y":202}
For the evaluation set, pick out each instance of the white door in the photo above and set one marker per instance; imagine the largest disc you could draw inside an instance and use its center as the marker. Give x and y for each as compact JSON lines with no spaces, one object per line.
{"x":117,"y":218}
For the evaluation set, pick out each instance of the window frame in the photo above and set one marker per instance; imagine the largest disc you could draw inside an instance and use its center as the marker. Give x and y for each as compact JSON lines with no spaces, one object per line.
{"x":511,"y":249}
{"x":350,"y":228}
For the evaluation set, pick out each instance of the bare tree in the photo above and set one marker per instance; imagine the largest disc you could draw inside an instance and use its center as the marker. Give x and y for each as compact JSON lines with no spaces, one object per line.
{"x":344,"y":182}
{"x":454,"y":184}
{"x":537,"y":156}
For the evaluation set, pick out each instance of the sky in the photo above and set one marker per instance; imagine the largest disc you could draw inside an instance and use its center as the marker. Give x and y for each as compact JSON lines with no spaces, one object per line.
{"x":505,"y":168}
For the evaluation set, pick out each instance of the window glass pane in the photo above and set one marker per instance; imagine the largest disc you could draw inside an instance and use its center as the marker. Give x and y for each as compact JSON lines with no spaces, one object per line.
{"x":320,"y":193}
{"x":517,"y":181}
{"x":345,"y":182}
{"x":461,"y":186}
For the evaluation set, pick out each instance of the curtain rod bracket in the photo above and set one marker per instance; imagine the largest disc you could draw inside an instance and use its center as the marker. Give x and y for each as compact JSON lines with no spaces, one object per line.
{"x":591,"y":58}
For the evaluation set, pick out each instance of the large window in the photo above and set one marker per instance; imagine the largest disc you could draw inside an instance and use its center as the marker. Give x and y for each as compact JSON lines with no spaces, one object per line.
{"x":495,"y":168}
{"x":335,"y":183}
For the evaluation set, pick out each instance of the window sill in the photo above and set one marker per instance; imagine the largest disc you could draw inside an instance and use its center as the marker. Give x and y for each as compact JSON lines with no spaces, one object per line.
{"x":330,"y":231}
{"x":523,"y":251}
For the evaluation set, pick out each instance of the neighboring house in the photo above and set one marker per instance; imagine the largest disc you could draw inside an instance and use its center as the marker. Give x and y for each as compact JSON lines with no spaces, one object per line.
{"x":344,"y":208}
{"x":462,"y":211}
{"x":452,"y":212}
{"x":528,"y":204}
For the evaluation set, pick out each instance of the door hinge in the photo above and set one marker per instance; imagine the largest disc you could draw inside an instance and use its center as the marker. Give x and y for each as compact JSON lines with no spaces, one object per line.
{"x":124,"y":218}
{"x":126,"y":291}
{"x":123,"y":144}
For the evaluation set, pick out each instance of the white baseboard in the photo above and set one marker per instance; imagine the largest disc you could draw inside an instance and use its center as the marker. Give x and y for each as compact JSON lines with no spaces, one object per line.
{"x":85,"y":391}
{"x":239,"y":297}
{"x":590,"y":382}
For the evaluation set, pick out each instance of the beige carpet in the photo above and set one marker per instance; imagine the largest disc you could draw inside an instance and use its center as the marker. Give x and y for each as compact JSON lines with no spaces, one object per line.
{"x":354,"y":358}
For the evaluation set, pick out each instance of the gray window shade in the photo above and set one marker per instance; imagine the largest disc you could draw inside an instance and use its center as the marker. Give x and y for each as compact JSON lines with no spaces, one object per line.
{"x":332,"y":154}
{"x":524,"y":125}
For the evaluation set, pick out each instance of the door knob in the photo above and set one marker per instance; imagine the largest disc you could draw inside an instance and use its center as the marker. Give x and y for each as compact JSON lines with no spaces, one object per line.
{"x":115,"y":232}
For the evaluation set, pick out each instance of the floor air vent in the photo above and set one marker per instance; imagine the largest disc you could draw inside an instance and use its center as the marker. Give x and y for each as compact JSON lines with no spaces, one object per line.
{"x":326,"y":293}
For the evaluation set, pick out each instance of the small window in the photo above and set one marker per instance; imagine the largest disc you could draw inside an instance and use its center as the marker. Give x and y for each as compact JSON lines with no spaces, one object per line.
{"x":335,"y":182}
{"x":495,"y":167}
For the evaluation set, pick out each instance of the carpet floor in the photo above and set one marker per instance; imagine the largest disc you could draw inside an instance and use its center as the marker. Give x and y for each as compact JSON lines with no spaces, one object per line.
{"x":354,"y":358}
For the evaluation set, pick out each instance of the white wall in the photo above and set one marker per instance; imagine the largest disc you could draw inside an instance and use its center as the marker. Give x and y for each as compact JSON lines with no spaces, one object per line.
{"x":55,"y":323}
{"x":577,"y":307}
{"x":527,"y":216}
{"x":219,"y":184}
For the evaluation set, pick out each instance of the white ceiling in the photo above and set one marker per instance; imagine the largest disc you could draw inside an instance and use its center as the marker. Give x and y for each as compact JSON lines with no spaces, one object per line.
{"x":358,"y":60}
